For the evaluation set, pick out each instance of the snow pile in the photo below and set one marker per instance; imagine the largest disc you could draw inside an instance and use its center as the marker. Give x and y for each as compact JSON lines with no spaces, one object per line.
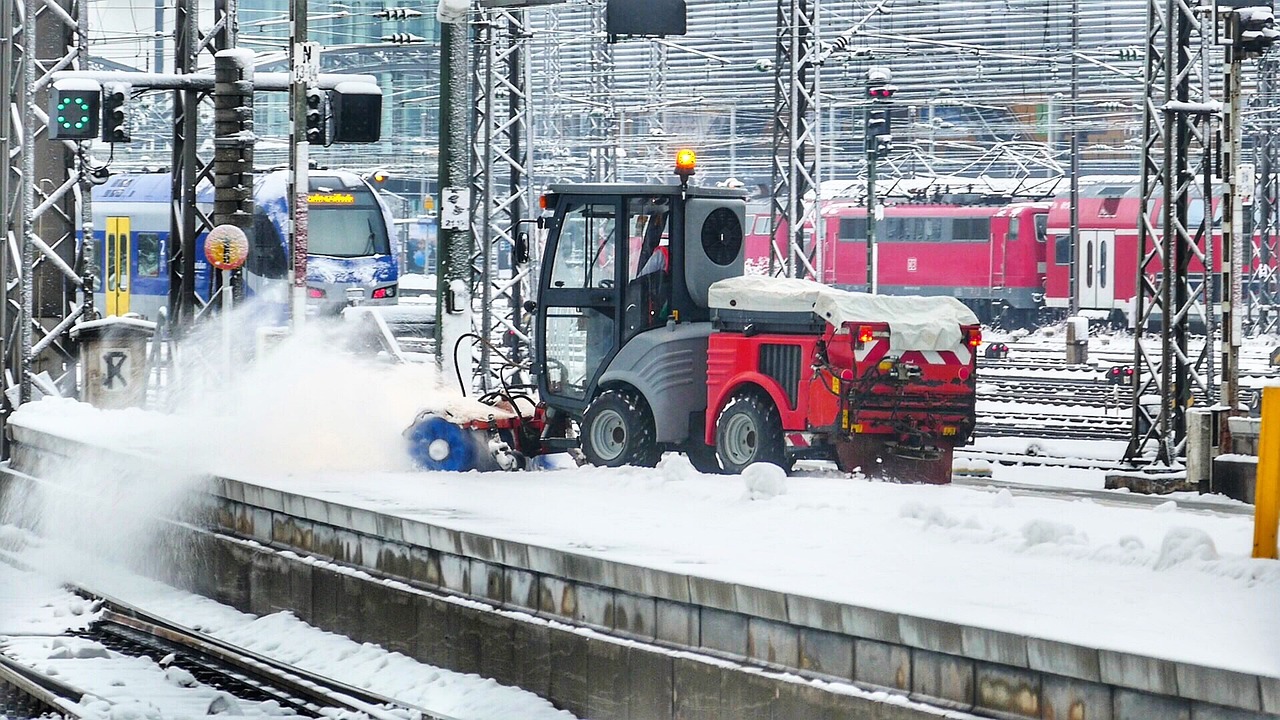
{"x":675,"y":467}
{"x":1184,"y":544}
{"x":930,"y":516}
{"x":764,"y":481}
{"x":1041,"y":532}
{"x":1003,"y":499}
{"x":76,"y":648}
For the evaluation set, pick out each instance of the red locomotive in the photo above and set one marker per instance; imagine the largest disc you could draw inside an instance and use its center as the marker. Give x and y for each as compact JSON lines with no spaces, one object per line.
{"x":991,"y":257}
{"x":1009,"y":262}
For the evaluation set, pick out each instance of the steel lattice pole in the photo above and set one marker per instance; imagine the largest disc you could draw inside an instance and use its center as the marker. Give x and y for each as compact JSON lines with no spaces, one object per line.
{"x":1175,"y":133}
{"x":10,"y":180}
{"x":1263,"y":295}
{"x":795,"y":150}
{"x":499,"y":186}
{"x":182,"y":220}
{"x":604,"y":166}
{"x":53,"y":37}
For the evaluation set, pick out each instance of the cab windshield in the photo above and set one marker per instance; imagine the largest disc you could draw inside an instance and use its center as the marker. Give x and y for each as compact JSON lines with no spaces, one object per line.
{"x":346,"y":232}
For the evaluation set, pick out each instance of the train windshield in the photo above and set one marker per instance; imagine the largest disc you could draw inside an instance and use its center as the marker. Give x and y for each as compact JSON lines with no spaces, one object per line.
{"x":346,"y":231}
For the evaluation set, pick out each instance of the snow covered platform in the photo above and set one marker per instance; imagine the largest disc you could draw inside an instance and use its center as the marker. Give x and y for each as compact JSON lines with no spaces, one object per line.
{"x":967,"y":598}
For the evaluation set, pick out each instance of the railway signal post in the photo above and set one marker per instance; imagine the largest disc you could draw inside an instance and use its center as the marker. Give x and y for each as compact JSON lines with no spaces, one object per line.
{"x":878,"y":137}
{"x":1250,"y":32}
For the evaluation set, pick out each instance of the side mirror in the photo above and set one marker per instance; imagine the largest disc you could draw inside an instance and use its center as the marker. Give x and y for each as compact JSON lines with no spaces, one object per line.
{"x":520,"y":250}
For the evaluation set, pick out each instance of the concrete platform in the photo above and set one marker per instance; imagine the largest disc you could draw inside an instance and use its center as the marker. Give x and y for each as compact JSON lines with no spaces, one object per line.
{"x":976,"y":669}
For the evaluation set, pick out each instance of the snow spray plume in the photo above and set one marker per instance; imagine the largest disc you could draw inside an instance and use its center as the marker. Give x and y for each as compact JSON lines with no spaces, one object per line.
{"x":306,"y":406}
{"x":97,"y":509}
{"x":315,"y":401}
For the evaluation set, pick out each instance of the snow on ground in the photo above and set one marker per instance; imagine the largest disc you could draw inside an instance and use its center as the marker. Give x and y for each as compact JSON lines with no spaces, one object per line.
{"x":34,"y":609}
{"x":1166,"y":582}
{"x":1077,"y":571}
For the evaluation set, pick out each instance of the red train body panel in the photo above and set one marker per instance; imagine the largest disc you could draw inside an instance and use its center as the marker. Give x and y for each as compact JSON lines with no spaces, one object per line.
{"x":989,"y":256}
{"x":1106,"y":255}
{"x":1004,"y":260}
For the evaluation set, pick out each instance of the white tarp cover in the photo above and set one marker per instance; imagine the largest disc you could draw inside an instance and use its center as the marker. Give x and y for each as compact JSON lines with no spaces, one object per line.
{"x":915,"y":322}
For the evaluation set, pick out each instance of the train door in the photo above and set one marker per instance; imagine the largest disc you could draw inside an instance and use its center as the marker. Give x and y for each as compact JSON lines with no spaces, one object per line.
{"x":1096,"y":269}
{"x":999,"y":250}
{"x":116,"y":265}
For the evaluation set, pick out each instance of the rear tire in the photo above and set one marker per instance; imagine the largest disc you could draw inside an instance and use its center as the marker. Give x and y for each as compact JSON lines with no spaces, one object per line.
{"x":618,"y":430}
{"x":749,"y":430}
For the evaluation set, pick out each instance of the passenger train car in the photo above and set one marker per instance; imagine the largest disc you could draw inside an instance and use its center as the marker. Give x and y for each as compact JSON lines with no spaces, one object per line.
{"x":349,"y":249}
{"x":1106,"y":256}
{"x":1009,"y":262}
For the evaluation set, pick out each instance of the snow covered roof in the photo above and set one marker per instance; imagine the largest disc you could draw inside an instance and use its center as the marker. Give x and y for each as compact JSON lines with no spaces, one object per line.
{"x":915,"y":322}
{"x":112,"y":322}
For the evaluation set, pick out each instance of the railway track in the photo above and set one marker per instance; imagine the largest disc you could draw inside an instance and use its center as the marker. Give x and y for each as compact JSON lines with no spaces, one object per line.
{"x":1075,"y":403}
{"x":239,"y":676}
{"x":1108,"y":497}
{"x":1061,"y":392}
{"x":1050,"y":428}
{"x":1038,"y":375}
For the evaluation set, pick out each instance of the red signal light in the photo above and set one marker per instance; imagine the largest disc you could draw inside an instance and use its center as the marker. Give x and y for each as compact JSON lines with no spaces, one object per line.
{"x":315,"y":293}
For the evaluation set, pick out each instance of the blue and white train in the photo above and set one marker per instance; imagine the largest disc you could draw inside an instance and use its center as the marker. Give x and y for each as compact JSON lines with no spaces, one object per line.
{"x":349,"y":247}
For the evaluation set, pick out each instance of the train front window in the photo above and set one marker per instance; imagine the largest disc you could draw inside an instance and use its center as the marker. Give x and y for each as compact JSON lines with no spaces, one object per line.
{"x":346,"y":231}
{"x":853,"y":228}
{"x":761,"y":226}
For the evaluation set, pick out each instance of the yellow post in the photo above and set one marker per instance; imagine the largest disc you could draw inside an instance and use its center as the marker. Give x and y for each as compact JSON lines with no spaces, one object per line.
{"x":1266,"y":494}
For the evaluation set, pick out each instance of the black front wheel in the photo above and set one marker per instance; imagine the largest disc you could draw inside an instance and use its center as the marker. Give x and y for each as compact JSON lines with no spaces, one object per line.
{"x":618,"y":429}
{"x":749,"y":430}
